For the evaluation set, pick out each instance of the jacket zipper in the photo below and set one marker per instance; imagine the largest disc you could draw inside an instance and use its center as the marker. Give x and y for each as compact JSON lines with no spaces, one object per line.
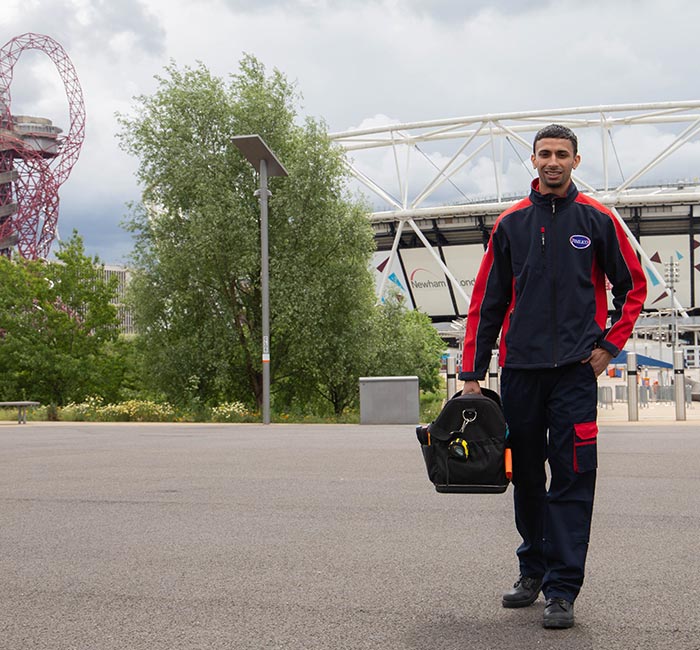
{"x":555,"y":346}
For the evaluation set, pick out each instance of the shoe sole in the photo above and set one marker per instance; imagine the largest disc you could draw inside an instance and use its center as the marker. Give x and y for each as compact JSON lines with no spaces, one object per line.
{"x":515,"y":604}
{"x":557,"y":625}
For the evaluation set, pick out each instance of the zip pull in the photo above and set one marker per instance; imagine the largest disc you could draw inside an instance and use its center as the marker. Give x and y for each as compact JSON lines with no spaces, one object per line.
{"x":542,"y":235}
{"x":554,"y":206}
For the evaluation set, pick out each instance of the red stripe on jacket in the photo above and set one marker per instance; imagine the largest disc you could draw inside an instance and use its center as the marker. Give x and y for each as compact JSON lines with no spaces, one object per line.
{"x":474,"y":314}
{"x":477,"y":297}
{"x":634,"y":300}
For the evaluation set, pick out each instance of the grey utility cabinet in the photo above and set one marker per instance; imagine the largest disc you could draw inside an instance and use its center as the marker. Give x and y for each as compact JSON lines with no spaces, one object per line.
{"x":389,"y":400}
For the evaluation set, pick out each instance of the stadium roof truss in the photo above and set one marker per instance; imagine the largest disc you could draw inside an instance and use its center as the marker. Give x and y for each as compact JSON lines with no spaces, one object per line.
{"x":478,"y":166}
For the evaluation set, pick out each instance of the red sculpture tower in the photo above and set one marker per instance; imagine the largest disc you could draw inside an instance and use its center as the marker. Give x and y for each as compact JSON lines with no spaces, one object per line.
{"x":34,"y":158}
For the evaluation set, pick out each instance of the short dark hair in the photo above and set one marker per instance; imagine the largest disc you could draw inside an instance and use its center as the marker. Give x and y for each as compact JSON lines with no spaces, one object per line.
{"x":556,"y":131}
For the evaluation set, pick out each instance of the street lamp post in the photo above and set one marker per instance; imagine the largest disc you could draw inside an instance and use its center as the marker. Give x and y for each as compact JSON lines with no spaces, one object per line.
{"x":264,"y":161}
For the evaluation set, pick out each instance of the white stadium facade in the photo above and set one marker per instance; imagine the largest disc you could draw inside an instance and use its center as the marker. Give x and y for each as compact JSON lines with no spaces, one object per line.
{"x":436,"y":188}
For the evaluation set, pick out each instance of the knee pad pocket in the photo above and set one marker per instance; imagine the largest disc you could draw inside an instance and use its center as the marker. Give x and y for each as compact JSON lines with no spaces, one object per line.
{"x":585,"y":447}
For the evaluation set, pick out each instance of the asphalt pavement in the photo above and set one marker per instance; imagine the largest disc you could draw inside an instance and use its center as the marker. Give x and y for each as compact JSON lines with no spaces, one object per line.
{"x":187,"y":536}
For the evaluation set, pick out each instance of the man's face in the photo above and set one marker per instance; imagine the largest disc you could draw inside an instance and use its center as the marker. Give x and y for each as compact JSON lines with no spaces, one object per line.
{"x":554,"y":161}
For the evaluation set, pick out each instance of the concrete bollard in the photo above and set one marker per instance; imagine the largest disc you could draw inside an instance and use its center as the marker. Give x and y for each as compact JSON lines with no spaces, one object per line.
{"x":679,"y":383}
{"x":632,"y":390}
{"x":451,"y":377}
{"x":493,"y":371}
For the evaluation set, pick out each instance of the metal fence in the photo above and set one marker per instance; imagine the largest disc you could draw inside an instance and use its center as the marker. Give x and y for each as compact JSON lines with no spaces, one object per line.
{"x":647,"y":395}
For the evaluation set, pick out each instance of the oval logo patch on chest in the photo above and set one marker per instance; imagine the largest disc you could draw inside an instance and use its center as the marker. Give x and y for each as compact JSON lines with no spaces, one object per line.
{"x":580,"y":241}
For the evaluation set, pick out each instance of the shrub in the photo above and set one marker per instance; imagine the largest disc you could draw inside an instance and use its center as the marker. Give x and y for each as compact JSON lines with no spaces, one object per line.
{"x":93,"y":410}
{"x":230,"y":412}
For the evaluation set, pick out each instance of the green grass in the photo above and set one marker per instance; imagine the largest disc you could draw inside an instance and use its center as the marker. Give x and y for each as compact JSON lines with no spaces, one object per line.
{"x":430,"y":405}
{"x":34,"y":414}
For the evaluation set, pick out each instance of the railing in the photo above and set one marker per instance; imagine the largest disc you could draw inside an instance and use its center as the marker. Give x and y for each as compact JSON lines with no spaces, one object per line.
{"x":647,"y":395}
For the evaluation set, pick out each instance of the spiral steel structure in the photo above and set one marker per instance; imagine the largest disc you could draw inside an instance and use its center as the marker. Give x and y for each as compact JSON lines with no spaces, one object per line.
{"x":34,"y":158}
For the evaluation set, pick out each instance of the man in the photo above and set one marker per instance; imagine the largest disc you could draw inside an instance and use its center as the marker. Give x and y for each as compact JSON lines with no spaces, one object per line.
{"x":541,"y":284}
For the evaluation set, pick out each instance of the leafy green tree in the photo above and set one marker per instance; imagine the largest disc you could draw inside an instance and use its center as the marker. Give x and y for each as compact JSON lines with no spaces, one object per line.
{"x":196,"y":291}
{"x":55,"y":323}
{"x":410,"y":345}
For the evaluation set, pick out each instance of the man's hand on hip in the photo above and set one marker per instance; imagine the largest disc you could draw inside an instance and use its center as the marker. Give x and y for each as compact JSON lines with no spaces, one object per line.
{"x":599,"y":360}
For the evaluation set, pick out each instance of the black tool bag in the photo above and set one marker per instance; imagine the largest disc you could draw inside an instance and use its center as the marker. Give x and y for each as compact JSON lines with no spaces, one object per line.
{"x":464,"y":448}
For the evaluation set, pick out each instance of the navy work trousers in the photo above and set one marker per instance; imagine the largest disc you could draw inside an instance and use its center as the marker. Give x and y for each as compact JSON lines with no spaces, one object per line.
{"x":551,"y":416}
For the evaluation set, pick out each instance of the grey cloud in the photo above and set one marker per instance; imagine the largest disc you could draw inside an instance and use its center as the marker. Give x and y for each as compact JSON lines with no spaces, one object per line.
{"x":131,"y":17}
{"x":28,"y":90}
{"x":447,"y":10}
{"x":91,"y":26}
{"x":98,"y":225}
{"x":438,"y":10}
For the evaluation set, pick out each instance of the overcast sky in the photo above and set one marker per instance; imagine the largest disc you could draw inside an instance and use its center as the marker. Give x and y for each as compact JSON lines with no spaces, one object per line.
{"x":355,"y":61}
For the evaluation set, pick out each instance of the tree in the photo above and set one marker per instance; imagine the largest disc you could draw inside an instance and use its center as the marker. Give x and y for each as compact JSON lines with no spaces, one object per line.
{"x":56,"y":321}
{"x":410,"y":344}
{"x":196,"y":291}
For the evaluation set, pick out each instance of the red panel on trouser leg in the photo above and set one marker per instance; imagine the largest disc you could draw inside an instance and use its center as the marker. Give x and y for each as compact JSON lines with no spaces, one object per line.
{"x":586,"y":430}
{"x":585,"y":447}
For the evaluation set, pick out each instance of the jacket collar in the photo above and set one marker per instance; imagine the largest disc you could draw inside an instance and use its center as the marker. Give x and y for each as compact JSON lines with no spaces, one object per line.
{"x":545,"y":200}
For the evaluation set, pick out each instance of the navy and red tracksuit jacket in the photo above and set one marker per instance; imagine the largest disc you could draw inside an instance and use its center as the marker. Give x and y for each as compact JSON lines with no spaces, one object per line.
{"x":542,"y":284}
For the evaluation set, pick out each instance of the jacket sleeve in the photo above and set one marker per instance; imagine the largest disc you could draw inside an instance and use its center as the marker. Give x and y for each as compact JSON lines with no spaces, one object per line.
{"x":488,"y":306}
{"x":629,"y":286}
